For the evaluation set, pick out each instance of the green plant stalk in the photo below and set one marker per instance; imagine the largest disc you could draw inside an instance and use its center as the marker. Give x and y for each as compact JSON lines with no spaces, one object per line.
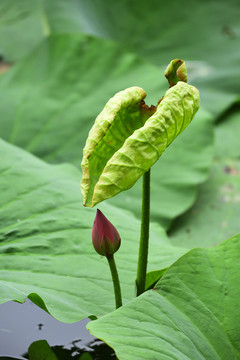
{"x":144,"y":237}
{"x":115,"y":279}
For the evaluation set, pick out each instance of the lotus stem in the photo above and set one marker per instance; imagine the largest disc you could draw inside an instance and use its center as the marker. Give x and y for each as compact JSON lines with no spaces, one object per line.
{"x":144,"y":237}
{"x":116,"y":282}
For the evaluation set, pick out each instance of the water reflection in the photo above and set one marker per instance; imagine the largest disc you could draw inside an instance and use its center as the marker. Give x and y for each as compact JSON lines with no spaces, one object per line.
{"x":23,"y":324}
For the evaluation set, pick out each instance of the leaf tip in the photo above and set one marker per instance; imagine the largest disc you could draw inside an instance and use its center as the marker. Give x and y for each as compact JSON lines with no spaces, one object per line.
{"x":176,"y":71}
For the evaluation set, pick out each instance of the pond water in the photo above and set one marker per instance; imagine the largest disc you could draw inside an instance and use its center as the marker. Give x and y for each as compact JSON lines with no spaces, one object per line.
{"x":22,"y":324}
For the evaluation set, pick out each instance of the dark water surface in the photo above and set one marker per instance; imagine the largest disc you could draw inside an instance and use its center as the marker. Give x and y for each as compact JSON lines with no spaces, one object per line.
{"x":22,"y":324}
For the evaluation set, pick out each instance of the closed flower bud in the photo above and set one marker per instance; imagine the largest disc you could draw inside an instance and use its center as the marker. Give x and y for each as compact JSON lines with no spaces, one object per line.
{"x":105,"y":237}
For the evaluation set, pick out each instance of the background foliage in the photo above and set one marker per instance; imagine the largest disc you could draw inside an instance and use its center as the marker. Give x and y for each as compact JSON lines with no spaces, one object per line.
{"x":64,"y":61}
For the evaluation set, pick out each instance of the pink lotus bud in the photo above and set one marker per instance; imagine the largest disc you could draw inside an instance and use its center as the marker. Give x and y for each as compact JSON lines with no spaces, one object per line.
{"x":105,"y":237}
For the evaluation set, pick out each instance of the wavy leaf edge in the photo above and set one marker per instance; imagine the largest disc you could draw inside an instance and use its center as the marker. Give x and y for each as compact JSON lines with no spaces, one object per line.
{"x":142,"y":148}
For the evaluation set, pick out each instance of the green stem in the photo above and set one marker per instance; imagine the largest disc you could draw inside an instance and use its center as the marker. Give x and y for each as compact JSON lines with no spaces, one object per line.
{"x":115,"y":279}
{"x":144,"y":238}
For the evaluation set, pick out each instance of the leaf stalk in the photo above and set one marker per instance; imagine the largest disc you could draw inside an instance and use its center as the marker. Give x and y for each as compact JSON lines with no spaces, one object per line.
{"x":116,"y":282}
{"x":144,"y":237}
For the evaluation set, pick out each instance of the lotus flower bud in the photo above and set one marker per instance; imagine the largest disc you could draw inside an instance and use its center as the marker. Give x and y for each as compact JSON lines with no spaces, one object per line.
{"x":105,"y":237}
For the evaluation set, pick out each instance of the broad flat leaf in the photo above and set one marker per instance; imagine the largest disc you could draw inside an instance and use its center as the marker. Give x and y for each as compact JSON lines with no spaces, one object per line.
{"x":153,"y":277}
{"x":45,"y":241}
{"x":50,"y":100}
{"x":25,"y":23}
{"x":122,"y":145}
{"x":215,"y":215}
{"x":193,"y":312}
{"x":22,"y":26}
{"x":205,"y":34}
{"x":227,"y":139}
{"x":66,"y":75}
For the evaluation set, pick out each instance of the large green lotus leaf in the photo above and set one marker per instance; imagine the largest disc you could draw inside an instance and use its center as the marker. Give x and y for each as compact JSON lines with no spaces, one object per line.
{"x":25,"y":23}
{"x":45,"y":240}
{"x":22,"y":26}
{"x":215,"y":215}
{"x":50,"y":100}
{"x":227,"y":134}
{"x":192,"y":313}
{"x":205,"y":34}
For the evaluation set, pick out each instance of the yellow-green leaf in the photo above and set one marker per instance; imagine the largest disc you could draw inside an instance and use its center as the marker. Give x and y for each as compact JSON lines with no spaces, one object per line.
{"x":126,"y":140}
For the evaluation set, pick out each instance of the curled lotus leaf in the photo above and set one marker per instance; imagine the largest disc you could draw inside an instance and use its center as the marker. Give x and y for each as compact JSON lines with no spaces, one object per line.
{"x":128,"y":137}
{"x":176,"y":71}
